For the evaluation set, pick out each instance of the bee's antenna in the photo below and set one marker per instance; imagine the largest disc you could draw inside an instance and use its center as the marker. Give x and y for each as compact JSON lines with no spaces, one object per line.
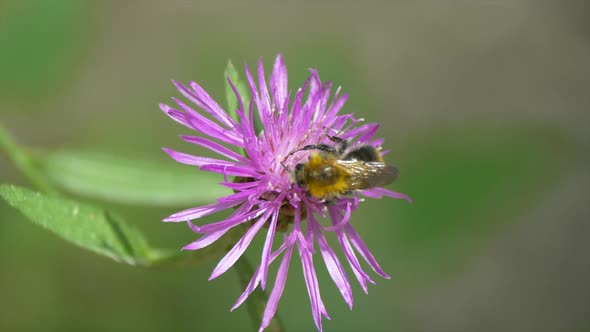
{"x":284,"y":166}
{"x":295,"y":151}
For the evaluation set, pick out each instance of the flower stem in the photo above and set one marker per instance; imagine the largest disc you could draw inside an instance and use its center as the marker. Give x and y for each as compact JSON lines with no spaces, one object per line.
{"x":256,"y":302}
{"x":23,"y":162}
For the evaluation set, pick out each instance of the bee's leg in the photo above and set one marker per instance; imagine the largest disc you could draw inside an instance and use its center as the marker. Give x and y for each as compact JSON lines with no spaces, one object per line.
{"x":330,"y":201}
{"x":321,"y":147}
{"x":341,"y":143}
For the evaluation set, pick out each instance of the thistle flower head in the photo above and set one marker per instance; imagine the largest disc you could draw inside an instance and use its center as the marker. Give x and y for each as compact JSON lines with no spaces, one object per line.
{"x":269,"y":128}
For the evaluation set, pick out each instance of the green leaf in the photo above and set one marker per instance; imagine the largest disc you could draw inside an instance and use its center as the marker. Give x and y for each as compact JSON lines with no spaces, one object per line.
{"x":22,"y":161}
{"x":86,"y":226}
{"x":105,"y":233}
{"x":232,"y":100}
{"x":133,"y":181}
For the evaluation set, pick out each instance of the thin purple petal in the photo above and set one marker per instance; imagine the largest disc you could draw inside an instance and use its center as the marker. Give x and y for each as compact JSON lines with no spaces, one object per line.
{"x":315,"y":83}
{"x":339,"y":222}
{"x":188,"y":159}
{"x":215,"y":147}
{"x":201,"y":211}
{"x":250,"y":140}
{"x":336,"y":106}
{"x":212,"y":106}
{"x":236,"y":252}
{"x":205,"y":240}
{"x":265,"y":109}
{"x":244,"y":171}
{"x":253,"y":87}
{"x":268,"y":248}
{"x":368,"y":135}
{"x":361,"y":276}
{"x":360,"y":246}
{"x":240,"y":186}
{"x":255,"y":280}
{"x":278,"y":81}
{"x":311,"y":282}
{"x":333,"y":265}
{"x":380,"y":192}
{"x":200,"y":123}
{"x":358,"y":271}
{"x":377,"y":143}
{"x":202,"y":99}
{"x":359,"y":130}
{"x":175,"y":115}
{"x":277,"y":290}
{"x":236,"y":219}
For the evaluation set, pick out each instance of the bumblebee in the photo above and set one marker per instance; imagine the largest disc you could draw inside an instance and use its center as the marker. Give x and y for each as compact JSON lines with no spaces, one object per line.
{"x":334,"y":171}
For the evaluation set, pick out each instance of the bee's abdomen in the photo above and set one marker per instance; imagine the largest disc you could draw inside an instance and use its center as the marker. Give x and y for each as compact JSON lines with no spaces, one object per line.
{"x":365,"y":153}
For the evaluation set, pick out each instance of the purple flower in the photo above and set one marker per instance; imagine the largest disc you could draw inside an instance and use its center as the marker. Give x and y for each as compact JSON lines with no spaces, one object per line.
{"x":264,"y":192}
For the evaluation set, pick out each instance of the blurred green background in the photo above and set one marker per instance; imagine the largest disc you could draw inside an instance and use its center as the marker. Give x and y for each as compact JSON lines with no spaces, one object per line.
{"x":483,"y":103}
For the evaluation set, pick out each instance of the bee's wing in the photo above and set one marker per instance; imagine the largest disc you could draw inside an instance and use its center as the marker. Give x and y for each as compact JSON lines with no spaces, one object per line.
{"x":365,"y":175}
